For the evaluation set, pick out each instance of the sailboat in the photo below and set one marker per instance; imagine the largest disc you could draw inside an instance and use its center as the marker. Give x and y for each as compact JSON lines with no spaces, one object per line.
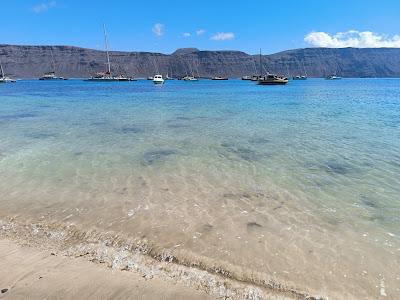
{"x":51,"y":75}
{"x":190,"y":77}
{"x":270,"y":79}
{"x":301,"y":77}
{"x":4,"y":78}
{"x":107,"y":76}
{"x":168,"y":77}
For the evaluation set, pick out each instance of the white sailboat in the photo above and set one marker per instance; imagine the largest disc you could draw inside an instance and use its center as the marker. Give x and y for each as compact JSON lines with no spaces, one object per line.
{"x":107,"y":76}
{"x":4,"y":78}
{"x":190,"y":77}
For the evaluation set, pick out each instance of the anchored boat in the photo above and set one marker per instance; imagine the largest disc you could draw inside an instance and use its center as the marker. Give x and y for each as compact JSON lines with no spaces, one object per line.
{"x":270,"y":79}
{"x":51,"y":76}
{"x":300,"y":77}
{"x":333,"y":77}
{"x":158,"y":79}
{"x":189,"y":78}
{"x":4,"y":78}
{"x":107,"y":76}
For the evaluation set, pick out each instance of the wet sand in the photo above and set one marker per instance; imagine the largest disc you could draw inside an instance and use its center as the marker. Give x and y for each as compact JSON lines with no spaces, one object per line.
{"x":29,"y":273}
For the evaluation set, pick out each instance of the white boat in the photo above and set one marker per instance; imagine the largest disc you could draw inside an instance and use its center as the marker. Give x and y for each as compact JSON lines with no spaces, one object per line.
{"x":333,"y":77}
{"x":300,"y":77}
{"x":189,"y":78}
{"x":4,"y":78}
{"x":158,"y":79}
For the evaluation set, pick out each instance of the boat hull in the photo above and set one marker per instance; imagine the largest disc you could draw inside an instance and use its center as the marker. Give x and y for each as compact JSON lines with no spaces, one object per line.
{"x":55,"y":78}
{"x":266,"y":82}
{"x":108,"y":79}
{"x":7,"y":80}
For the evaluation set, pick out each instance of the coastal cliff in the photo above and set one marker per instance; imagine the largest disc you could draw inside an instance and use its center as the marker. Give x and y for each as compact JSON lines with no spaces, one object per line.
{"x":33,"y":61}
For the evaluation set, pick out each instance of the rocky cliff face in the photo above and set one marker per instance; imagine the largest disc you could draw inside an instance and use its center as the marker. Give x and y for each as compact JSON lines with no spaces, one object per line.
{"x":33,"y":61}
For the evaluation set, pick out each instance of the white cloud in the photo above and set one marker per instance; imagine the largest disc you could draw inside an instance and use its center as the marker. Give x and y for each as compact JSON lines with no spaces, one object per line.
{"x":200,"y":31}
{"x":186,"y":34}
{"x":223,"y":36}
{"x":158,"y":29}
{"x":352,"y":38}
{"x":42,"y":7}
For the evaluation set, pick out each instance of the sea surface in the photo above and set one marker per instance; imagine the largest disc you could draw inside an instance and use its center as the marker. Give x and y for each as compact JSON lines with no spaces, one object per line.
{"x":296,"y":184}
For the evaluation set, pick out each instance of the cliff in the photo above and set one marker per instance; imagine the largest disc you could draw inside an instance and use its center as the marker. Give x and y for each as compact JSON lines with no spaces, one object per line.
{"x":33,"y":61}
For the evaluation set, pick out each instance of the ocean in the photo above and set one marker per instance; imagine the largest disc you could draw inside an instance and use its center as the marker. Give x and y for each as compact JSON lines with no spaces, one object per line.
{"x":294,"y":189}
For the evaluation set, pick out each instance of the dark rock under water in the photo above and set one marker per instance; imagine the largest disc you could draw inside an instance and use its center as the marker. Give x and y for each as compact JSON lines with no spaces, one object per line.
{"x":156,"y":156}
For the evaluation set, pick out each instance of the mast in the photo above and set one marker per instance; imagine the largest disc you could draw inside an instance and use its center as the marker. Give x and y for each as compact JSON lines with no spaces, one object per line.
{"x":106,"y":45}
{"x":304,"y":68}
{"x":260,"y":64}
{"x":53,"y":61}
{"x":2,"y":71}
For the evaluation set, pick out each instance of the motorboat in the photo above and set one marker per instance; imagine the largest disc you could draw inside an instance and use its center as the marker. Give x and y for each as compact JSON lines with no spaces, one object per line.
{"x":158,"y":79}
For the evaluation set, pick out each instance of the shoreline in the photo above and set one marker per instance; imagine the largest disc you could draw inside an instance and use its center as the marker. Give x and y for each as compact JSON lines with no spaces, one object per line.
{"x":118,"y":256}
{"x":27,"y":272}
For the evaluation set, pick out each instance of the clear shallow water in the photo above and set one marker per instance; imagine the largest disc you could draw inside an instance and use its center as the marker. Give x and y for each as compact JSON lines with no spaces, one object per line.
{"x":290,"y":182}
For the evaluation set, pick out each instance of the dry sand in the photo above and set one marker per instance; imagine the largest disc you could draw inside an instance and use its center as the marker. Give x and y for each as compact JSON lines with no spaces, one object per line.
{"x":29,"y":273}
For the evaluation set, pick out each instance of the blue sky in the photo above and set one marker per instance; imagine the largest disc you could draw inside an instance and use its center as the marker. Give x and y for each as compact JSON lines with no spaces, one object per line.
{"x":164,"y":26}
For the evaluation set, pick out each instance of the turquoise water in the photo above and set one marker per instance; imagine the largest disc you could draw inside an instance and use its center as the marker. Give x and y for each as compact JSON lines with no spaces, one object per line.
{"x":327,"y":152}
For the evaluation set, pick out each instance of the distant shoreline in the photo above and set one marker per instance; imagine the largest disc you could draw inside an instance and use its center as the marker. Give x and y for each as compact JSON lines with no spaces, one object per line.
{"x":69,"y":61}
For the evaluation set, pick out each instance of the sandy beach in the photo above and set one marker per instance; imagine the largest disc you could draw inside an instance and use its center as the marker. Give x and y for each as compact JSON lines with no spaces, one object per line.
{"x":30,"y":273}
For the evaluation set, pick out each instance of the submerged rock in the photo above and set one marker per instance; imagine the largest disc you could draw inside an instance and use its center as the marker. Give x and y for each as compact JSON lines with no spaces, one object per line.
{"x":253,"y":225}
{"x":366,"y":201}
{"x":242,"y":152}
{"x":156,"y":156}
{"x":131,"y":129}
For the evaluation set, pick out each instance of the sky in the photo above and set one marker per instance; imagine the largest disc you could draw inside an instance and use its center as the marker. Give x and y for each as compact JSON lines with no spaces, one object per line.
{"x":164,"y":26}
